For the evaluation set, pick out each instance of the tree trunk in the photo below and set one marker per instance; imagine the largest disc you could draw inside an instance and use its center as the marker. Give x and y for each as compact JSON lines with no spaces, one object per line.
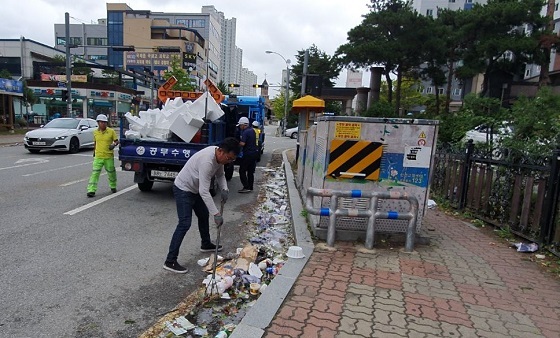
{"x":389,"y":85}
{"x":450,"y":69}
{"x":398,"y":109}
{"x":544,"y":78}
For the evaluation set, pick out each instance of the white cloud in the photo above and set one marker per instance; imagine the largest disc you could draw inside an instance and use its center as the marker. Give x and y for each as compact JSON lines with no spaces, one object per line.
{"x":282,"y":26}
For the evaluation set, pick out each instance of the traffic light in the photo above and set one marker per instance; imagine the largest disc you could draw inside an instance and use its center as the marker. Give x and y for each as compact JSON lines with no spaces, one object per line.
{"x":64,"y":95}
{"x":232,"y":85}
{"x":257,"y":86}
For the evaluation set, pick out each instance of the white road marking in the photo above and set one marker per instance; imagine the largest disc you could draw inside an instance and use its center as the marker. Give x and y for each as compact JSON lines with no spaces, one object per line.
{"x":35,"y":161}
{"x":99,"y":201}
{"x":84,"y":179}
{"x":55,"y":169}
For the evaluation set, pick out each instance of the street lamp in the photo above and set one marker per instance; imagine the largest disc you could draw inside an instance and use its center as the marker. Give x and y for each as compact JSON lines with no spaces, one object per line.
{"x":287,"y":88}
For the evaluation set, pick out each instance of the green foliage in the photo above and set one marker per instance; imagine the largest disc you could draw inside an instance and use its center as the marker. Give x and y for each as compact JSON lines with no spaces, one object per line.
{"x":223,"y":88}
{"x":504,"y":232}
{"x":184,"y":82}
{"x":536,"y":124}
{"x":277,"y":104}
{"x":380,"y":109}
{"x":5,"y":74}
{"x":319,"y":63}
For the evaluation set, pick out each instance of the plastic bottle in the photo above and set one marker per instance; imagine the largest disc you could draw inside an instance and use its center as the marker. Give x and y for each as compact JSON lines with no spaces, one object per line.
{"x":222,"y":334}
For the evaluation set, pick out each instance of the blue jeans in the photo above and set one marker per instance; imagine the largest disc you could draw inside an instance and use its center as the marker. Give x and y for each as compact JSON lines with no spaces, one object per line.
{"x":187,"y":202}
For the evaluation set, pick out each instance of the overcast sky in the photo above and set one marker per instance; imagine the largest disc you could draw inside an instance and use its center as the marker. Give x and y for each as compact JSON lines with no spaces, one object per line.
{"x":285,"y":26}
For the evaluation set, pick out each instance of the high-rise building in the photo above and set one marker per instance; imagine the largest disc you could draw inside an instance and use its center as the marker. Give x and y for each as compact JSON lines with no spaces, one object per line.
{"x":86,"y":38}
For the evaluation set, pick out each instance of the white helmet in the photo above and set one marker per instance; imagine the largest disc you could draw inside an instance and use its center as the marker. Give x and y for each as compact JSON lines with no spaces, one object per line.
{"x":243,"y":120}
{"x":256,"y":124}
{"x":102,"y":118}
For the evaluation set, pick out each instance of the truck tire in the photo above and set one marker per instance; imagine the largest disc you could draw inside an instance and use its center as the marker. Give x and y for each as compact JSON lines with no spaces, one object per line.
{"x":146,"y":185}
{"x":228,"y":171}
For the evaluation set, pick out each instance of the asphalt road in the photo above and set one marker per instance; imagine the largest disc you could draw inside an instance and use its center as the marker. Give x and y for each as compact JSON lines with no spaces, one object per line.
{"x":79,"y":267}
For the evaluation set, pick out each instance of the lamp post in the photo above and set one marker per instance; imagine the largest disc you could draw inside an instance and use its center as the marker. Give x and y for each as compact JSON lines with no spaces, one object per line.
{"x":286,"y":94}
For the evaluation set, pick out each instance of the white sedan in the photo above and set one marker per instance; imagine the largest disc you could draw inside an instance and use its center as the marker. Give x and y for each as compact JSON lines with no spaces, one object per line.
{"x":291,"y":132}
{"x":61,"y":134}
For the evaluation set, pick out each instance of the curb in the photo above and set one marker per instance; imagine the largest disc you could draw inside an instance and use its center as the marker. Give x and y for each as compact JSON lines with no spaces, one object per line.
{"x":261,"y":314}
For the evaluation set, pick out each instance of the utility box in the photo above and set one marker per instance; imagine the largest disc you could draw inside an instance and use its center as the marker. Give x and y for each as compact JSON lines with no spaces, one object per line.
{"x":367,"y":154}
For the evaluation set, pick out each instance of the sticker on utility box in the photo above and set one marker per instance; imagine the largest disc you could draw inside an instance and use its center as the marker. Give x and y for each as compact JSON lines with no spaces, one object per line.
{"x":355,"y":159}
{"x":417,"y":157}
{"x":347,"y":130}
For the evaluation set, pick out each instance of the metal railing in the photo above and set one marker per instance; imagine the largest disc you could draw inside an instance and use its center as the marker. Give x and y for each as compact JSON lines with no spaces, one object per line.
{"x":372,"y":214}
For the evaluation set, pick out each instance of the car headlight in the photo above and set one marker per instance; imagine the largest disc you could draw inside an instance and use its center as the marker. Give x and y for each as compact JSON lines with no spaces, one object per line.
{"x":60,"y":137}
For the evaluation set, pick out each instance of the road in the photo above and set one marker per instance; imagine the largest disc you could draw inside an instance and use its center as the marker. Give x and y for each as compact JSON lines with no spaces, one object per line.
{"x":75,"y":266}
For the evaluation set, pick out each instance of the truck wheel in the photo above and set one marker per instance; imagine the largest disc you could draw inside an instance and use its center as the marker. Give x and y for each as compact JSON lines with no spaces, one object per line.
{"x":146,"y":185}
{"x":228,"y":171}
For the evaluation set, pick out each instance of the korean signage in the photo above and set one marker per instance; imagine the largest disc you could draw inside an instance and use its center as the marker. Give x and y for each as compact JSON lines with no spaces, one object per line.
{"x":62,"y":78}
{"x":11,"y":86}
{"x":348,"y":130}
{"x":189,"y":61}
{"x":145,"y":59}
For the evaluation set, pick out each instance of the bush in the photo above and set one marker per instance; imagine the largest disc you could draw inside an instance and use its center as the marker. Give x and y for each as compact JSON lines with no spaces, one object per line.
{"x":21,"y":122}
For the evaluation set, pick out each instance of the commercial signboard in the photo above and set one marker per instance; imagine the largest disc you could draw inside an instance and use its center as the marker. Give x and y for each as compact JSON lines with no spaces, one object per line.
{"x":62,"y":78}
{"x":13,"y":87}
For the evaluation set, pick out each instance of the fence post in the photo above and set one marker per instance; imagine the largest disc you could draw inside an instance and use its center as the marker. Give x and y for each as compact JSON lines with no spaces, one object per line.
{"x":466,"y":175}
{"x":549,"y":216}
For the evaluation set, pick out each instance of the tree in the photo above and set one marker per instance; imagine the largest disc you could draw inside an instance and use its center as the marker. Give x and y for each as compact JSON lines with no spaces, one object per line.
{"x":223,"y":88}
{"x":320,"y":63}
{"x":495,"y":30}
{"x":390,"y":35}
{"x":184,"y":81}
{"x":5,"y":74}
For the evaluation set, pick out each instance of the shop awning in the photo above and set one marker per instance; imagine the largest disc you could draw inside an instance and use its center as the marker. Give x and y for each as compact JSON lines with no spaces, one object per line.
{"x":102,"y":103}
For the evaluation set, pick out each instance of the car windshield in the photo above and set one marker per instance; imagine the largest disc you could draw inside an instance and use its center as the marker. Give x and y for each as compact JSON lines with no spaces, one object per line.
{"x":62,"y":123}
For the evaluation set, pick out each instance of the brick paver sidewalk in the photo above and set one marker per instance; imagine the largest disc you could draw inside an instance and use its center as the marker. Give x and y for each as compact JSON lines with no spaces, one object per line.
{"x":461,"y":285}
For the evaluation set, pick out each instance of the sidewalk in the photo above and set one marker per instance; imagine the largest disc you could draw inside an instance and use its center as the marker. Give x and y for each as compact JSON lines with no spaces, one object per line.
{"x":11,"y":139}
{"x":464,"y":284}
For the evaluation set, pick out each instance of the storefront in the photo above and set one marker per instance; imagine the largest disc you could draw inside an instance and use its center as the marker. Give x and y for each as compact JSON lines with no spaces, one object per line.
{"x":86,"y":102}
{"x":10,"y":91}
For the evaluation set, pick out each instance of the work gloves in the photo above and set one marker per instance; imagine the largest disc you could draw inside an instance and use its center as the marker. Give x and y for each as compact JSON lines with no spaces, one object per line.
{"x":219,"y":220}
{"x":225,"y":194}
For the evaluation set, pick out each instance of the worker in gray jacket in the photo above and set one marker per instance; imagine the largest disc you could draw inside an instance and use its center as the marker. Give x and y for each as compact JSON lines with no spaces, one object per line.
{"x":192,"y":193}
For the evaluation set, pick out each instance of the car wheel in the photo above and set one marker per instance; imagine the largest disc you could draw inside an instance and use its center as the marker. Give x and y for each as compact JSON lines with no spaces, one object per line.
{"x":146,"y":185}
{"x":294,"y":135}
{"x":34,"y":151}
{"x":74,"y":146}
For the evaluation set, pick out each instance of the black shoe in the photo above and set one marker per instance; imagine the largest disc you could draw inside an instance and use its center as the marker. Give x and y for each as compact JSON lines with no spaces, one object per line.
{"x":113,"y":190}
{"x":244,"y":191}
{"x":210,"y":248}
{"x":175,"y":267}
{"x":90,"y":194}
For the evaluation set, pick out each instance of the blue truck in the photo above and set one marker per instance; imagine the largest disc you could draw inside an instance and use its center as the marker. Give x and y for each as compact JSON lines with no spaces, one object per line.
{"x":154,"y":160}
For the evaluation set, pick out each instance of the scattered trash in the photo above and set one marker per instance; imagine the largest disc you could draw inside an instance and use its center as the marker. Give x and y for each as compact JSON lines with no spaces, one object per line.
{"x":295,"y":252}
{"x":180,"y":325}
{"x":431,"y":204}
{"x":243,"y":275}
{"x":522,"y":247}
{"x":539,"y":256}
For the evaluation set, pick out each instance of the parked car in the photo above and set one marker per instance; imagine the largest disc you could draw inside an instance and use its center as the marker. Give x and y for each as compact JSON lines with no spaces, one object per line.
{"x":61,"y":134}
{"x":291,"y":132}
{"x":484,"y":133}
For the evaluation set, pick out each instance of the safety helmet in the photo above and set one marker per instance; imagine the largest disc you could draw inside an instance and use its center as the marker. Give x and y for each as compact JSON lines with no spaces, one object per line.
{"x":243,"y":120}
{"x":102,"y":118}
{"x":256,"y":124}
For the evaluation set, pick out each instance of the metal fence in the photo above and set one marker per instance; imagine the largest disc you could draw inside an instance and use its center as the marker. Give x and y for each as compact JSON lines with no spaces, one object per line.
{"x":521,"y":194}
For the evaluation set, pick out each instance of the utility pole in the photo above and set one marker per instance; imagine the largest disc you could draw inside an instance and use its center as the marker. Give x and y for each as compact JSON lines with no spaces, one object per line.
{"x":304,"y":72}
{"x":152,"y":83}
{"x":68,"y":66}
